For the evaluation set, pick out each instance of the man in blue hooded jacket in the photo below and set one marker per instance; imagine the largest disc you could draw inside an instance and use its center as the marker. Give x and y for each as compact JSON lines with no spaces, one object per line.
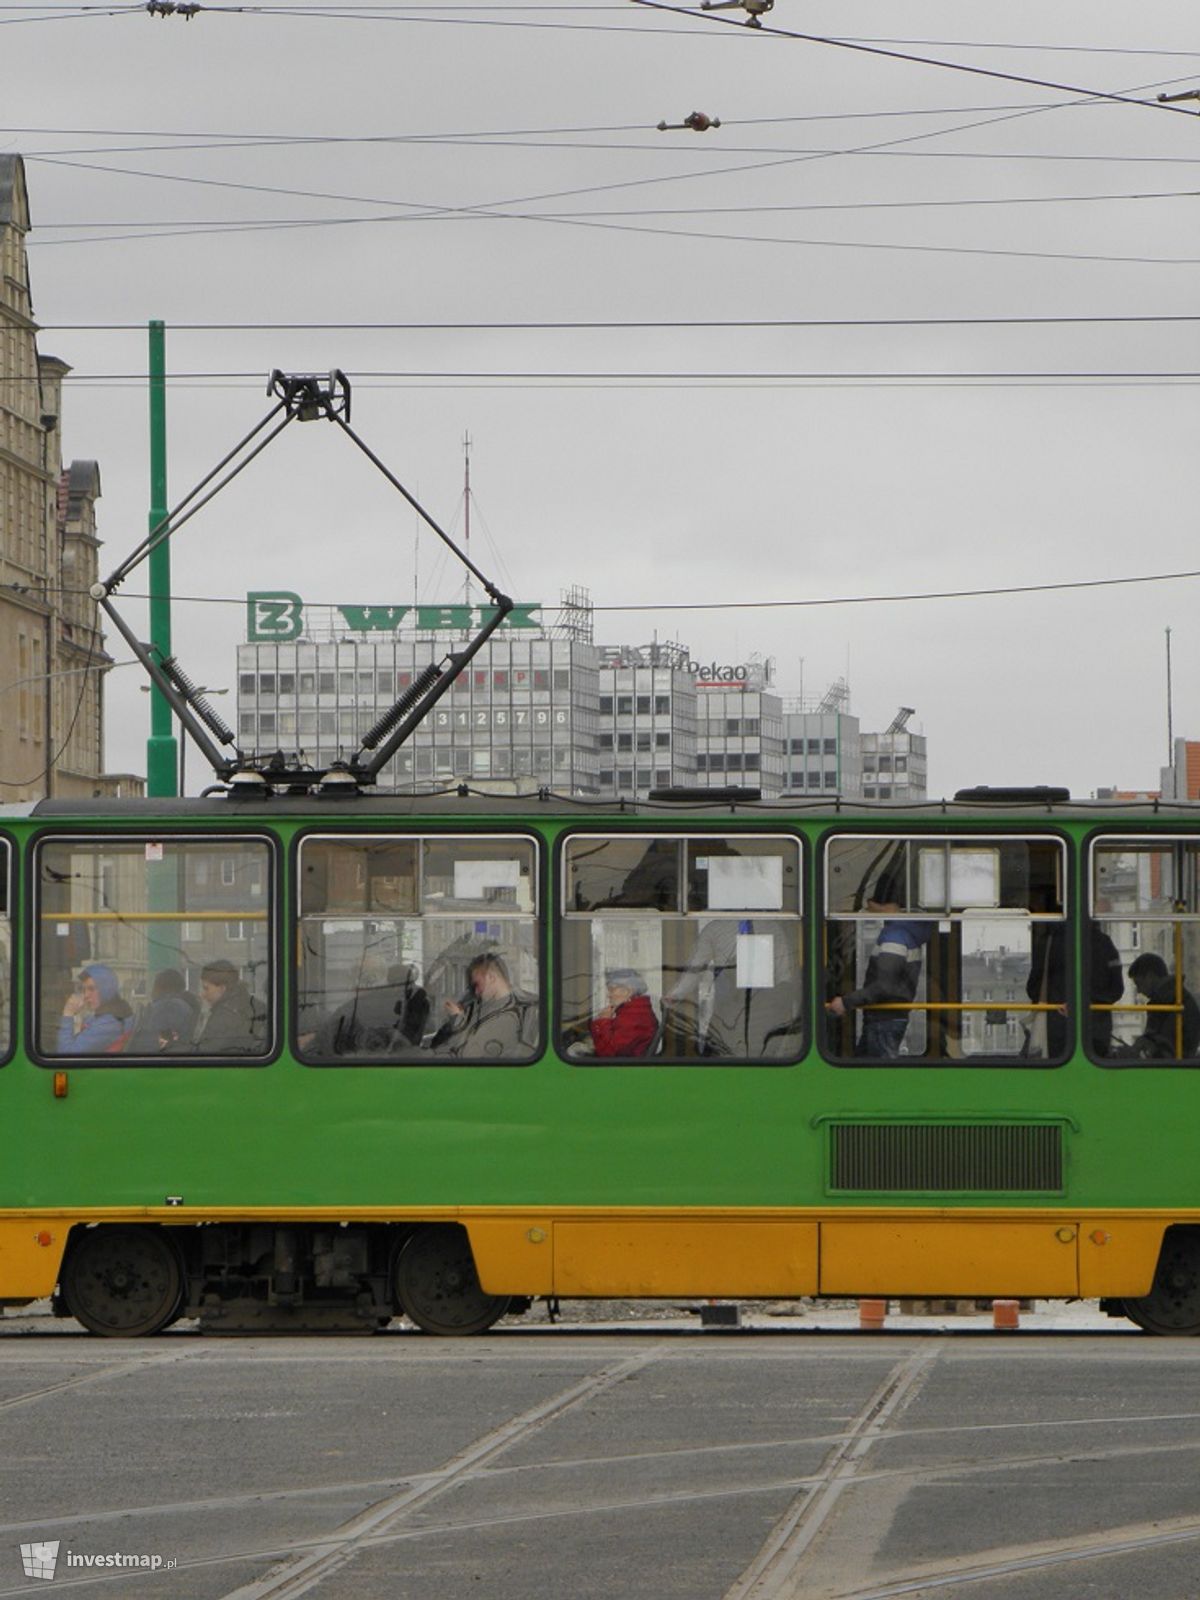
{"x":95,"y":1017}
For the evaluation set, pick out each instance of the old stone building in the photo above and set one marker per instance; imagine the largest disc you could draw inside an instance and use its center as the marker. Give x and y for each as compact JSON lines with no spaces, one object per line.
{"x":52,"y":656}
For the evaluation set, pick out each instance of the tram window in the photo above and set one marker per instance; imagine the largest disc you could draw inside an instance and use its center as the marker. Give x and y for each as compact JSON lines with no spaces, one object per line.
{"x":6,"y":968}
{"x":682,"y":949}
{"x":418,"y":949}
{"x":135,"y":958}
{"x":1142,"y":960}
{"x":943,"y":949}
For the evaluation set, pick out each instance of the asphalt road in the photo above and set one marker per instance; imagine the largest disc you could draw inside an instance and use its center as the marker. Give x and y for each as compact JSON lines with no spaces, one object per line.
{"x":648,"y":1462}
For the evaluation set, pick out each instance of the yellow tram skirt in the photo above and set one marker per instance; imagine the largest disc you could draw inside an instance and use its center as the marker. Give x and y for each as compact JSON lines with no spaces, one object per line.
{"x":632,"y":1253}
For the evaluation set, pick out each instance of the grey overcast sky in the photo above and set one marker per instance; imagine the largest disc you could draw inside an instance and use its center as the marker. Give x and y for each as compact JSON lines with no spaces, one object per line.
{"x":489,"y":163}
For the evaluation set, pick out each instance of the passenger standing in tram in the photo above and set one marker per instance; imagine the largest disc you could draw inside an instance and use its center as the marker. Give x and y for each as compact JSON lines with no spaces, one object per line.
{"x":736,"y":1015}
{"x":892,"y":976}
{"x":1047,"y":983}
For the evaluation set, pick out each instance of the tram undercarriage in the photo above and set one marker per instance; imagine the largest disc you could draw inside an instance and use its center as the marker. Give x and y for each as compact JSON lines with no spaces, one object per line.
{"x":129,"y":1280}
{"x":125,"y":1281}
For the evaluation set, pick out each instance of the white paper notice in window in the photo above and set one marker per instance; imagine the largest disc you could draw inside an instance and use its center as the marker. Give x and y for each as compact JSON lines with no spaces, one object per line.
{"x":745,"y":883}
{"x":756,"y":960}
{"x":481,"y":880}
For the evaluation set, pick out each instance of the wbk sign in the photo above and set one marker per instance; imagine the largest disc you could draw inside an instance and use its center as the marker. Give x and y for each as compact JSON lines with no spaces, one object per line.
{"x":277,"y":616}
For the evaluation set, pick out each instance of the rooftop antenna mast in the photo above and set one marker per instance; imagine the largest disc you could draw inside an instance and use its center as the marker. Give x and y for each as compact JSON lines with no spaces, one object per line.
{"x":1170,"y":709}
{"x":467,"y":512}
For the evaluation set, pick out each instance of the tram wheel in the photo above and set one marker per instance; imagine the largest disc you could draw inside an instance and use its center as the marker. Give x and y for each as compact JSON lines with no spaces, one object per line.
{"x":123,"y":1283}
{"x":437,"y":1287}
{"x":1172,"y":1307}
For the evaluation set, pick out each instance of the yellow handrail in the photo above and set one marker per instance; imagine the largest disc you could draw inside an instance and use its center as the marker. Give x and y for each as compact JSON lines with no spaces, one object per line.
{"x":154,"y":916}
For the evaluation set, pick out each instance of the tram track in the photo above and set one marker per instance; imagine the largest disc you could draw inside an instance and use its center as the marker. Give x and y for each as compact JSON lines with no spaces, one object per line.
{"x":911,"y":1580}
{"x":825,"y":1546}
{"x":342,"y":1544}
{"x":1031,"y":1558}
{"x":770,"y":1575}
{"x":959,"y":1467}
{"x":119,"y":1369}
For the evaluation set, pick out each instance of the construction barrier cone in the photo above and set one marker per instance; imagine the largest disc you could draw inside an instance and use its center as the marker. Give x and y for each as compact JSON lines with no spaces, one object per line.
{"x":871,"y":1314}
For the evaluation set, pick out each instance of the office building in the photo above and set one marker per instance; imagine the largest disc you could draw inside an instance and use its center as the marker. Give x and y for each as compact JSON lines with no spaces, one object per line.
{"x":646,"y":719}
{"x":823,"y":751}
{"x":523,"y":714}
{"x":895,"y":763}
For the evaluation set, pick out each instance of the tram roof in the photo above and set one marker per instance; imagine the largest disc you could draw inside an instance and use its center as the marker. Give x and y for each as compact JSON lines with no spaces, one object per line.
{"x":532,"y":806}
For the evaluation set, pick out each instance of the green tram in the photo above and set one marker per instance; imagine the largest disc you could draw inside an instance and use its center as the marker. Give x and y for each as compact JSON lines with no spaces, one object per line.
{"x":305,"y":1062}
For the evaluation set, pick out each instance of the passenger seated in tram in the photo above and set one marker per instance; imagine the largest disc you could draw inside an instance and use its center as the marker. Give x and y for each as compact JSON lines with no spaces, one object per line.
{"x":1161,"y":1037}
{"x":492,"y":1019}
{"x":168,"y":989}
{"x":627,"y":1025}
{"x":376,"y":1020}
{"x":96,"y":1019}
{"x":229,"y":1023}
{"x":165,"y":1030}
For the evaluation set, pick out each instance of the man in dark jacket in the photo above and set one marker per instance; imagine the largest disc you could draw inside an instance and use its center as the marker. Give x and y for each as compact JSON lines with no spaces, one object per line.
{"x":229,"y":1024}
{"x":892,"y":976}
{"x":1047,"y":983}
{"x":1161,"y":1039}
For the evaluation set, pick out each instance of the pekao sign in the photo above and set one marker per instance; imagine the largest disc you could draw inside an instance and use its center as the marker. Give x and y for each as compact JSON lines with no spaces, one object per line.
{"x":276,"y":616}
{"x":718,"y":675}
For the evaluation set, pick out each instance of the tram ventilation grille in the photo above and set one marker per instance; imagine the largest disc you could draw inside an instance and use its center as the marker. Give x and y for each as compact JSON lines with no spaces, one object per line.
{"x":947,"y":1157}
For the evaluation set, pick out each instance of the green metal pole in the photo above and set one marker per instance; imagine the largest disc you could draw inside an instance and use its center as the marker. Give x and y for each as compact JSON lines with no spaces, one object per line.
{"x":162,"y":760}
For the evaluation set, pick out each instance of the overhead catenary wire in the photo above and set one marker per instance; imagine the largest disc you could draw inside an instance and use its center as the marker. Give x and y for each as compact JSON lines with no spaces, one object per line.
{"x":777,"y":604}
{"x":330,"y":8}
{"x":762,"y":376}
{"x":497,"y":208}
{"x":639,"y":324}
{"x":228,"y":227}
{"x":215,"y":224}
{"x":880,"y":151}
{"x":768,"y":30}
{"x":230,"y":139}
{"x":581,"y":220}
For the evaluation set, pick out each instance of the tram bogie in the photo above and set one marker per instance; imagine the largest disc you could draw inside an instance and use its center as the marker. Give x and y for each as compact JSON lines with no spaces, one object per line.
{"x":123,"y":1281}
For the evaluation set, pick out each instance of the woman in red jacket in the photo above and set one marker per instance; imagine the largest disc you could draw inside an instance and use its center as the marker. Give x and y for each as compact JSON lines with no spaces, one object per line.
{"x":627,"y":1026}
